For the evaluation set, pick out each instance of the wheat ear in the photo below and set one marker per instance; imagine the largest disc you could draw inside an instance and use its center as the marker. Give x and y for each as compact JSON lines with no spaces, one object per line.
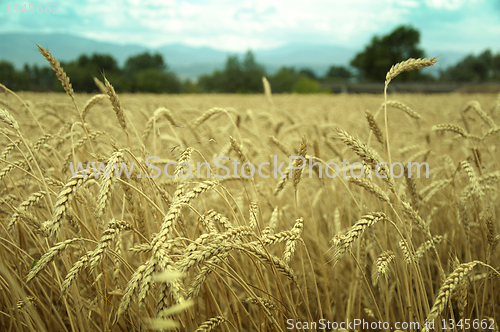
{"x":63,"y":203}
{"x":49,"y":257}
{"x":61,"y":75}
{"x":344,"y":242}
{"x":117,"y":106}
{"x":210,"y":324}
{"x":6,"y":117}
{"x":90,"y":103}
{"x":453,"y":281}
{"x":374,"y":127}
{"x":408,"y":65}
{"x":381,"y":265}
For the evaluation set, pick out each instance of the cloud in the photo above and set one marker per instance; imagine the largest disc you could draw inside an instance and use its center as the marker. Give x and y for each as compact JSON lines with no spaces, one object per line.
{"x":448,"y":4}
{"x":236,"y":25}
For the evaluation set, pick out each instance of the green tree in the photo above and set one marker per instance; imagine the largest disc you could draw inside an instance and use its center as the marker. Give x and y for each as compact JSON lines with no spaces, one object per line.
{"x":307,"y":85}
{"x":15,"y":80}
{"x":306,"y":72}
{"x":103,"y":62}
{"x":284,"y":79}
{"x":144,"y":61}
{"x":252,"y":74}
{"x":188,"y":86}
{"x":156,"y":81}
{"x":482,"y":68}
{"x":83,"y":70}
{"x":383,"y":52}
{"x":338,"y":73}
{"x":236,"y":77}
{"x":7,"y":74}
{"x":149,"y":73}
{"x":212,"y":83}
{"x":41,"y":79}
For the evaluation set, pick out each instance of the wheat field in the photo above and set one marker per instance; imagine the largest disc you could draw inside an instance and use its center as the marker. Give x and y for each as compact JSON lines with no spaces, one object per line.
{"x":81,"y":252}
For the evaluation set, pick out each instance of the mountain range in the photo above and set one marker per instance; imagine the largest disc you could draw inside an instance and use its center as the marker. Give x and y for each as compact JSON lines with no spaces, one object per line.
{"x":185,"y":60}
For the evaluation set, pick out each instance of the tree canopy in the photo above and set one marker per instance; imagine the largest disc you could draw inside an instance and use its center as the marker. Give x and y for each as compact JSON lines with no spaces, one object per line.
{"x":383,"y":52}
{"x":144,"y":61}
{"x":147,"y":72}
{"x":236,"y":77}
{"x":482,"y":68}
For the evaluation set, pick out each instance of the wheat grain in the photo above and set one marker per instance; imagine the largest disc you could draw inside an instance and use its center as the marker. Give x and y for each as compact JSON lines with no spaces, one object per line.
{"x":374,"y":127}
{"x":371,"y":188}
{"x":432,"y":243}
{"x":475,"y":188}
{"x":403,"y":107}
{"x":109,"y":235}
{"x":450,"y":284}
{"x":345,"y":241}
{"x":279,"y":145}
{"x":410,"y":64}
{"x":254,"y":212}
{"x":24,"y":206}
{"x":74,"y":272}
{"x":273,"y":222}
{"x":63,"y":203}
{"x":49,"y":257}
{"x":413,"y":215}
{"x":56,"y":66}
{"x":90,"y":103}
{"x":8,"y":119}
{"x":291,"y":243}
{"x":8,"y":149}
{"x":208,"y":114}
{"x":210,"y":324}
{"x":455,"y":129}
{"x":117,"y":106}
{"x":299,"y":163}
{"x":408,"y":255}
{"x":105,"y":189}
{"x":474,"y":104}
{"x":156,"y":116}
{"x":263,"y":302}
{"x":381,"y":266}
{"x":267,"y":91}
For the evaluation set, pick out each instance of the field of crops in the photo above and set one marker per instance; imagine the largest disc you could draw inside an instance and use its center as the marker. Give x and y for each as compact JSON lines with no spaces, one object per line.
{"x":81,"y":252}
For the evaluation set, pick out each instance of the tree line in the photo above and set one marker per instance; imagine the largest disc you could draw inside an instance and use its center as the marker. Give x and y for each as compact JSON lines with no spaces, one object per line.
{"x":148,"y":72}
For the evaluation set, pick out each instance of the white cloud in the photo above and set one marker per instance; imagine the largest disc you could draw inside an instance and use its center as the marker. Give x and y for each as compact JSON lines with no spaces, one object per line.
{"x":407,"y":3}
{"x":448,"y":4}
{"x":238,"y":25}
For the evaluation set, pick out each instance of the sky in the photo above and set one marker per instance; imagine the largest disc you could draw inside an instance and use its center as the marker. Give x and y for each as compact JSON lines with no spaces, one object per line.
{"x":233,"y":25}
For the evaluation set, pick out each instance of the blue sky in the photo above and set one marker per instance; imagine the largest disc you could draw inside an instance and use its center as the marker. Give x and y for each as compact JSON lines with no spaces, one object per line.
{"x":233,"y":25}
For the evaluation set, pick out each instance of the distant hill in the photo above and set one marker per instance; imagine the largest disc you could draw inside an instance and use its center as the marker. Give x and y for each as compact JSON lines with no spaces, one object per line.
{"x":187,"y":61}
